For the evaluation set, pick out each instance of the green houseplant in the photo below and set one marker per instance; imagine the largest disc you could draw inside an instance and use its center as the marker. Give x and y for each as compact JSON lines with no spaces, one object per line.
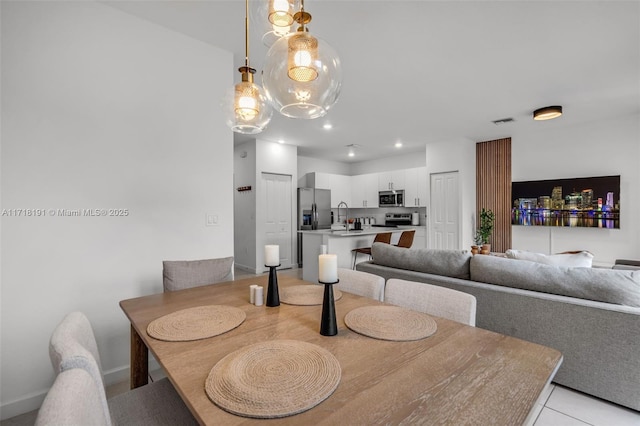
{"x":487,"y":220}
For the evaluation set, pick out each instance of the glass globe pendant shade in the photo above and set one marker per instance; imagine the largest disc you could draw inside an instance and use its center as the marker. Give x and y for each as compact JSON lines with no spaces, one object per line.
{"x":272,"y":18}
{"x":281,"y":13}
{"x":302,"y":83}
{"x":246,"y":107}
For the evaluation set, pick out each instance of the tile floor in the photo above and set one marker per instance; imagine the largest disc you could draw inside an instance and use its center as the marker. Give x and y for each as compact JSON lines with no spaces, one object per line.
{"x":559,"y":406}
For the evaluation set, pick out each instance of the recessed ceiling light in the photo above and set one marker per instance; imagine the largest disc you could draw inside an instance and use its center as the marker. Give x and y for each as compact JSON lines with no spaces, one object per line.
{"x":547,"y":113}
{"x":281,"y":141}
{"x":398,"y":145}
{"x":327,"y":126}
{"x":351,"y":154}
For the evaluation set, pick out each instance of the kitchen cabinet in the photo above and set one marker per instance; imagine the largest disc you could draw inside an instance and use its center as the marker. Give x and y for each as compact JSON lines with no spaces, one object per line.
{"x":415,"y":189}
{"x":364,"y":190}
{"x":340,"y":186}
{"x":388,"y":181}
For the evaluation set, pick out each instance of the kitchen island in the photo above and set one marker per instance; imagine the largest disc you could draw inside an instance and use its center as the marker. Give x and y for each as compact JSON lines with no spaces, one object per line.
{"x":339,"y":242}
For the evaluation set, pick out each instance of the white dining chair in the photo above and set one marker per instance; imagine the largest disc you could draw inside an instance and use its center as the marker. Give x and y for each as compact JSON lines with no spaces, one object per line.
{"x":181,"y":274}
{"x":74,"y":399}
{"x":432,"y":299}
{"x":361,"y":283}
{"x":73,"y":346}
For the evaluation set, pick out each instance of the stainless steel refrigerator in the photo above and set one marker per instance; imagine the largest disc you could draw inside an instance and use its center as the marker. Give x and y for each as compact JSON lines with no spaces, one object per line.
{"x":314,"y":212}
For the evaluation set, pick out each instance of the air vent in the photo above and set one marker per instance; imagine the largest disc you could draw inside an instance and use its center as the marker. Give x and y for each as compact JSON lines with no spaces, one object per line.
{"x":503,"y":121}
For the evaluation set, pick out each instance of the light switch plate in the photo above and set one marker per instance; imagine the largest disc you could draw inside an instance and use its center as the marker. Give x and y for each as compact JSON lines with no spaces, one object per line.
{"x":211,"y":219}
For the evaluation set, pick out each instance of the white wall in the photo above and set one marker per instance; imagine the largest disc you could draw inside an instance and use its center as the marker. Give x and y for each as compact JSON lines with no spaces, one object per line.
{"x":310,"y":165}
{"x":262,"y":157}
{"x":244,"y":205}
{"x":608,"y":147}
{"x":101,"y":110}
{"x":455,"y":156}
{"x":397,"y":162}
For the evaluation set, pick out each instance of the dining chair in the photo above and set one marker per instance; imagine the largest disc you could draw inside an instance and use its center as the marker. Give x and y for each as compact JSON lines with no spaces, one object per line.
{"x":181,"y":274}
{"x":381,"y":237}
{"x":74,"y":399}
{"x":432,"y":299}
{"x":72,"y":347}
{"x":361,"y":283}
{"x":406,"y":239}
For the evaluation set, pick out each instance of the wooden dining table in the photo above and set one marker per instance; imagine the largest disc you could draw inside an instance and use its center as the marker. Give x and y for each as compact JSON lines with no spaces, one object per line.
{"x":459,"y":375}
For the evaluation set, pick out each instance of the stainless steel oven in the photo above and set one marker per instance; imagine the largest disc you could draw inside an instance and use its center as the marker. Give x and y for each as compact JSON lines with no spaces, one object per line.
{"x":391,"y":198}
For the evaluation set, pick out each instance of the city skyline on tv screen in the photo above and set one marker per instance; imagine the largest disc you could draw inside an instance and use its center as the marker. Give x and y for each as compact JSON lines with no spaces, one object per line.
{"x":590,"y":202}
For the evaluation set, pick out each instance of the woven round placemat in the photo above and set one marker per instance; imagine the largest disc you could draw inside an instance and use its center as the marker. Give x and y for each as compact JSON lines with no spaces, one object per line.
{"x":390,"y":323}
{"x":306,"y":294}
{"x":273,"y":379}
{"x":196,"y":323}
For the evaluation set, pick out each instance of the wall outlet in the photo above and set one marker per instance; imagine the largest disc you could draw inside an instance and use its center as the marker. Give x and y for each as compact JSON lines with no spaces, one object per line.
{"x":211,"y":219}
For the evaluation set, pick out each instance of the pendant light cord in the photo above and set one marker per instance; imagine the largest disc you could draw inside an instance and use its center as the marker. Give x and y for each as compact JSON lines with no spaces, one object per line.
{"x":246,"y":34}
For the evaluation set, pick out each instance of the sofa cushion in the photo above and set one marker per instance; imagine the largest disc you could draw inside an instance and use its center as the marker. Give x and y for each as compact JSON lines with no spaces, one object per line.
{"x":580,"y":259}
{"x":449,"y":263}
{"x":602,"y":285}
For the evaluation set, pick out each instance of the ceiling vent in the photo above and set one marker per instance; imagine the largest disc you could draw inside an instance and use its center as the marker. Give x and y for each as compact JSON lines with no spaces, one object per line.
{"x":503,"y":121}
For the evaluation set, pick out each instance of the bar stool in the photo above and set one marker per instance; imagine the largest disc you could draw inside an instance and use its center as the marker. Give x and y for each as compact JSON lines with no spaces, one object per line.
{"x":406,"y":239}
{"x":382,"y":237}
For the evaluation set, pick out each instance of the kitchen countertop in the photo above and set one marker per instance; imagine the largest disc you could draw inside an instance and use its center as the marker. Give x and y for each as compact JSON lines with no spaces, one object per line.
{"x":355,"y":233}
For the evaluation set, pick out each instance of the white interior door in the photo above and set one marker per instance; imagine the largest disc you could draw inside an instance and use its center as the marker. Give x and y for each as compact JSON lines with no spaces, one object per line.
{"x":445,"y":211}
{"x":278,"y":212}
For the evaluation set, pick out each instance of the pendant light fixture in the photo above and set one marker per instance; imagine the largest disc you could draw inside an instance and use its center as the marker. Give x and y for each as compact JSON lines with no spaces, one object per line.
{"x":302,"y":73}
{"x":274,"y":18}
{"x":246,"y":107}
{"x":547,"y":113}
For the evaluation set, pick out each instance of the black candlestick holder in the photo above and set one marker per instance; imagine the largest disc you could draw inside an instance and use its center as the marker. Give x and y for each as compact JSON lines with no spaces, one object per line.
{"x":328,"y":325}
{"x":273,"y":297}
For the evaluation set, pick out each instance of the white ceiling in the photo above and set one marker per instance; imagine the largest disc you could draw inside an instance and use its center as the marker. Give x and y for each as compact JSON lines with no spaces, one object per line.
{"x":423,"y":71}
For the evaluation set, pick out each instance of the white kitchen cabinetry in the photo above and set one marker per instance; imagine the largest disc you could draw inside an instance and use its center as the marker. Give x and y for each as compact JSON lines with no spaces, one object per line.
{"x":364,"y":190}
{"x":415,"y":190}
{"x":388,"y":181}
{"x":340,"y":186}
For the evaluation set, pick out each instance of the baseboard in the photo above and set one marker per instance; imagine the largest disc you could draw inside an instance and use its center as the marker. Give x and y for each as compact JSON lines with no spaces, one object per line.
{"x":22,"y":405}
{"x":33,"y":401}
{"x":244,"y":268}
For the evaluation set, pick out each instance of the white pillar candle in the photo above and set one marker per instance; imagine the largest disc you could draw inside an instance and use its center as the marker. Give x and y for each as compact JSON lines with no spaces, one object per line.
{"x":271,"y":255}
{"x":328,"y":268}
{"x":259,"y":295}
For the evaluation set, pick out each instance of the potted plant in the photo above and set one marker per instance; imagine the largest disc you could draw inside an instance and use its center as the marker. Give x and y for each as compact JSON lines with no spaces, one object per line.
{"x":477,"y":242}
{"x":487,"y":219}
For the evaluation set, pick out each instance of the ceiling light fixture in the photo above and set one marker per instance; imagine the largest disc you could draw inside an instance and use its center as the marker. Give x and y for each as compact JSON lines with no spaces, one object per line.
{"x":398,"y":145}
{"x":274,"y":18}
{"x":302,"y":73}
{"x":246,"y":108}
{"x":327,"y":126}
{"x":547,"y":113}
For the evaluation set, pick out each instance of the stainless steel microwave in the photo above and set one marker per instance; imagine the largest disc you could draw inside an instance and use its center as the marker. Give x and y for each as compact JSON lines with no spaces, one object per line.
{"x":391,"y":198}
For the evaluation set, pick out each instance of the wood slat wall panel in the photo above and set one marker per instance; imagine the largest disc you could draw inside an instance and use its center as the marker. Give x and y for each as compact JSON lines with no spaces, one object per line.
{"x":493,"y":188}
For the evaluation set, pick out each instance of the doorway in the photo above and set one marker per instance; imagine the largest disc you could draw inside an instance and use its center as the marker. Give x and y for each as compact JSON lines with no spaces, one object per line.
{"x":444,"y":222}
{"x":277,"y":201}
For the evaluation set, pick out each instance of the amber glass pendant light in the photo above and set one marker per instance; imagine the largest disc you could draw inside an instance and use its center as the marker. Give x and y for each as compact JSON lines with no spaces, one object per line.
{"x":246,"y":107}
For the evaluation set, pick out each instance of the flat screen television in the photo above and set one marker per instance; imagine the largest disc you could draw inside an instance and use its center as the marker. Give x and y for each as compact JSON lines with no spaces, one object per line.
{"x":589,"y":202}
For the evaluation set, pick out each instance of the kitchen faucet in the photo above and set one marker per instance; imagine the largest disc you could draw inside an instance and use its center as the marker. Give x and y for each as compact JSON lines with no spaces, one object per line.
{"x":346,"y":222}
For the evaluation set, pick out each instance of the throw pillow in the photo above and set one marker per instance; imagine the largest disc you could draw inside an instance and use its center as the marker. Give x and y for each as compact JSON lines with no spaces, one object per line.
{"x":582,"y":259}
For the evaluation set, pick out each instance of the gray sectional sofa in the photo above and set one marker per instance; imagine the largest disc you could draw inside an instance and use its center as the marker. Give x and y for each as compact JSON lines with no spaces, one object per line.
{"x":591,"y":315}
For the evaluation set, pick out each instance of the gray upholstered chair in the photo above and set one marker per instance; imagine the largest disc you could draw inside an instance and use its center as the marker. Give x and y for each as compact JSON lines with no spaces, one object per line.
{"x":181,"y":274}
{"x":73,"y":347}
{"x":361,"y":283}
{"x":432,"y":299}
